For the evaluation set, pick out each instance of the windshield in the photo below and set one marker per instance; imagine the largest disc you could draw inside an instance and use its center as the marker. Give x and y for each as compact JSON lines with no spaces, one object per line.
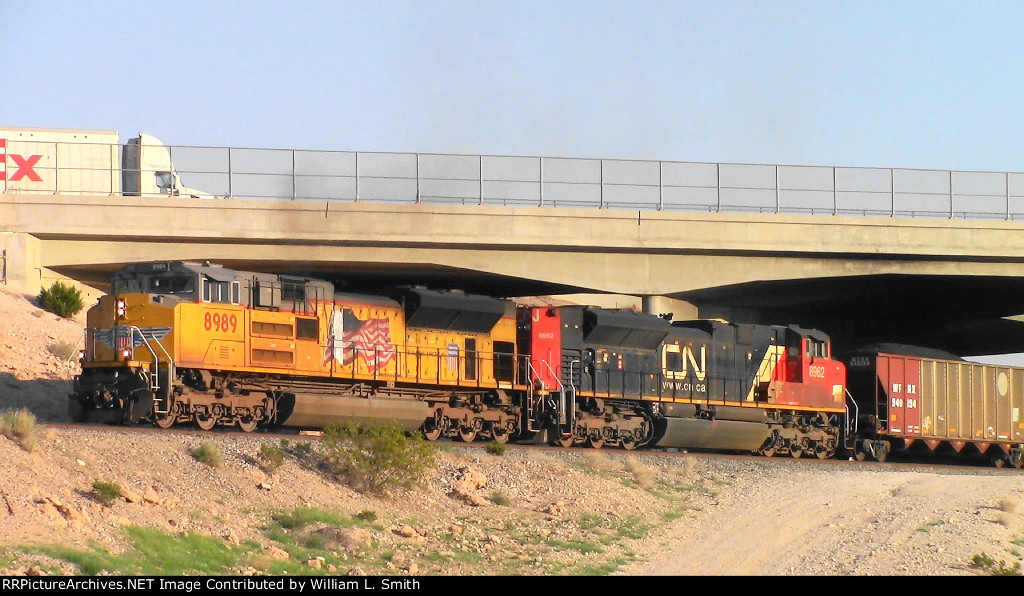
{"x":177,"y":284}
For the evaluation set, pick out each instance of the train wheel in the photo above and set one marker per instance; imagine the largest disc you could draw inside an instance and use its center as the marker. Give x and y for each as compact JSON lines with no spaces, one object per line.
{"x":432,"y":430}
{"x":596,"y":442}
{"x":999,"y":462}
{"x":467,"y":434}
{"x":206,"y":422}
{"x":796,"y":452}
{"x":166,"y":421}
{"x":768,"y":452}
{"x":629,"y":444}
{"x":1015,"y":458}
{"x":247,"y":424}
{"x":859,"y":454}
{"x":566,"y":441}
{"x":823,"y":454}
{"x":881,"y":451}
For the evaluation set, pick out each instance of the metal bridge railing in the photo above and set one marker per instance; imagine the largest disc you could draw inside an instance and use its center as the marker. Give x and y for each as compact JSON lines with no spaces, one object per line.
{"x":535,"y":181}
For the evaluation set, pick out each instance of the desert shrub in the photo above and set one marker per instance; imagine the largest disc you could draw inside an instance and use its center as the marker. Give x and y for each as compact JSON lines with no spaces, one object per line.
{"x":20,"y":427}
{"x":209,"y":454}
{"x":375,"y":458}
{"x":64,"y":350}
{"x":993,"y":567}
{"x":500,"y":498}
{"x":271,"y":457}
{"x":105,"y":492}
{"x":495,"y":448}
{"x":62,"y":300}
{"x":367,"y":515}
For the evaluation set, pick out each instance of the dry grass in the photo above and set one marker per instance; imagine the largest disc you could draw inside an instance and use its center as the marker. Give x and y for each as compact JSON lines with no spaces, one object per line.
{"x":643,"y":475}
{"x":598,"y":460}
{"x":20,"y":427}
{"x":1007,"y":505}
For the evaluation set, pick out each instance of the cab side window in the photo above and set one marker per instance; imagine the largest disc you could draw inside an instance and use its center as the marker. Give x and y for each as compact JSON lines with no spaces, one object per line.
{"x":816,"y":348}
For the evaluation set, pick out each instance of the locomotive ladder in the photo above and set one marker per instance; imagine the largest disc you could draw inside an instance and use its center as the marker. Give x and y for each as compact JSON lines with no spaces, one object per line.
{"x":566,"y":401}
{"x":851,"y":427}
{"x":532,"y":374}
{"x":160,"y":403}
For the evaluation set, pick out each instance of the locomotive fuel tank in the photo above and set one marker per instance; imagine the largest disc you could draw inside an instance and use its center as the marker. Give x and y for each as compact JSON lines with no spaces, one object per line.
{"x":731,"y":428}
{"x":312,"y":410}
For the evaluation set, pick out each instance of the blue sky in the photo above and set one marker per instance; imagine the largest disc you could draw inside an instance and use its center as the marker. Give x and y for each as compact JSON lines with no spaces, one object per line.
{"x":889,"y":84}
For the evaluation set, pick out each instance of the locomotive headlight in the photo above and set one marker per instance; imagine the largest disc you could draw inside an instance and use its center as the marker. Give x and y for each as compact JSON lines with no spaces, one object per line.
{"x":121,"y":309}
{"x":81,"y":355}
{"x":126,"y":354}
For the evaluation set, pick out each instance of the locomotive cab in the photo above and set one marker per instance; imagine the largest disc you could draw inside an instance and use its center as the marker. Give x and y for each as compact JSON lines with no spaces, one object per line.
{"x":808,"y":375}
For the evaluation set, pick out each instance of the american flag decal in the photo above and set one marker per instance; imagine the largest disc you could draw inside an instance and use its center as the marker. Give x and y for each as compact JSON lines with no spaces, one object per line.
{"x":452,"y":358}
{"x":352,"y":338}
{"x":122,"y":338}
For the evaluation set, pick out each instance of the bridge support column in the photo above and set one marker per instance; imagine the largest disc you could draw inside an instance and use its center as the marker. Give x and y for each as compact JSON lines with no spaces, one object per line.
{"x":21,"y":262}
{"x":661,"y":305}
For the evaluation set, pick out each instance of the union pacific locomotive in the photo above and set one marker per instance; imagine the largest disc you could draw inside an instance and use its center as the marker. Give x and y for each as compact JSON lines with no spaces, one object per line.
{"x":182,"y":342}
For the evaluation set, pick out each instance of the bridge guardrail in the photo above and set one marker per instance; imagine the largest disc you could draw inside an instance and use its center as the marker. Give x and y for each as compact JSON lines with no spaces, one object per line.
{"x":644,"y":185}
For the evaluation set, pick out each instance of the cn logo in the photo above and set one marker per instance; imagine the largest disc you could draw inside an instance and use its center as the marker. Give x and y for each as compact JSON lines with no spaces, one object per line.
{"x":25,"y":165}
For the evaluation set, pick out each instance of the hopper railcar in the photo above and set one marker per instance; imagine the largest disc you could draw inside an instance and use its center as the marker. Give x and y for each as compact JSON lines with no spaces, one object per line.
{"x":910,"y":398}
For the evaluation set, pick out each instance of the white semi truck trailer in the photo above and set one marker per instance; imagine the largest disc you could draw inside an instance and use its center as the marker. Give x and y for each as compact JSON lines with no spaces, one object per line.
{"x":87,"y":162}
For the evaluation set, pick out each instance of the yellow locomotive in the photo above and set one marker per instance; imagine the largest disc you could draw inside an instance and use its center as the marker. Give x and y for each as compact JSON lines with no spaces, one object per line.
{"x":178,"y":342}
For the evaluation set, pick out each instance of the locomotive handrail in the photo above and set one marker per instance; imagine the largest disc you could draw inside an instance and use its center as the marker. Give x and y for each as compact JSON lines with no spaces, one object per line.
{"x":855,"y":424}
{"x":530,"y":392}
{"x":154,"y":383}
{"x":571,"y":377}
{"x":568,"y":411}
{"x":372,"y":357}
{"x":81,"y":340}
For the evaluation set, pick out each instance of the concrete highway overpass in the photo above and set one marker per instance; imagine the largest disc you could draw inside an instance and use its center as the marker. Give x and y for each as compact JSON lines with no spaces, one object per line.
{"x":953,"y":284}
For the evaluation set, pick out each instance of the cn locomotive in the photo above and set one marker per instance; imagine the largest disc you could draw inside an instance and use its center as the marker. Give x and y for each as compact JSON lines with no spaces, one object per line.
{"x":184,"y":342}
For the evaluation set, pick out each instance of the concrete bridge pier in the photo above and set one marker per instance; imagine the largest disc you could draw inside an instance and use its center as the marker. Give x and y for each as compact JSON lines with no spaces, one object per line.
{"x":663,"y":305}
{"x":22,"y":262}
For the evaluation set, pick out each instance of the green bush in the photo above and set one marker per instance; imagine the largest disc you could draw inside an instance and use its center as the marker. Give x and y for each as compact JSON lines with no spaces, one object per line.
{"x":105,"y":492}
{"x":993,"y":567}
{"x":500,"y":498}
{"x":62,"y":300}
{"x":271,"y":457}
{"x":375,"y":458}
{"x":209,"y":454}
{"x":495,"y":448}
{"x":367,"y":515}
